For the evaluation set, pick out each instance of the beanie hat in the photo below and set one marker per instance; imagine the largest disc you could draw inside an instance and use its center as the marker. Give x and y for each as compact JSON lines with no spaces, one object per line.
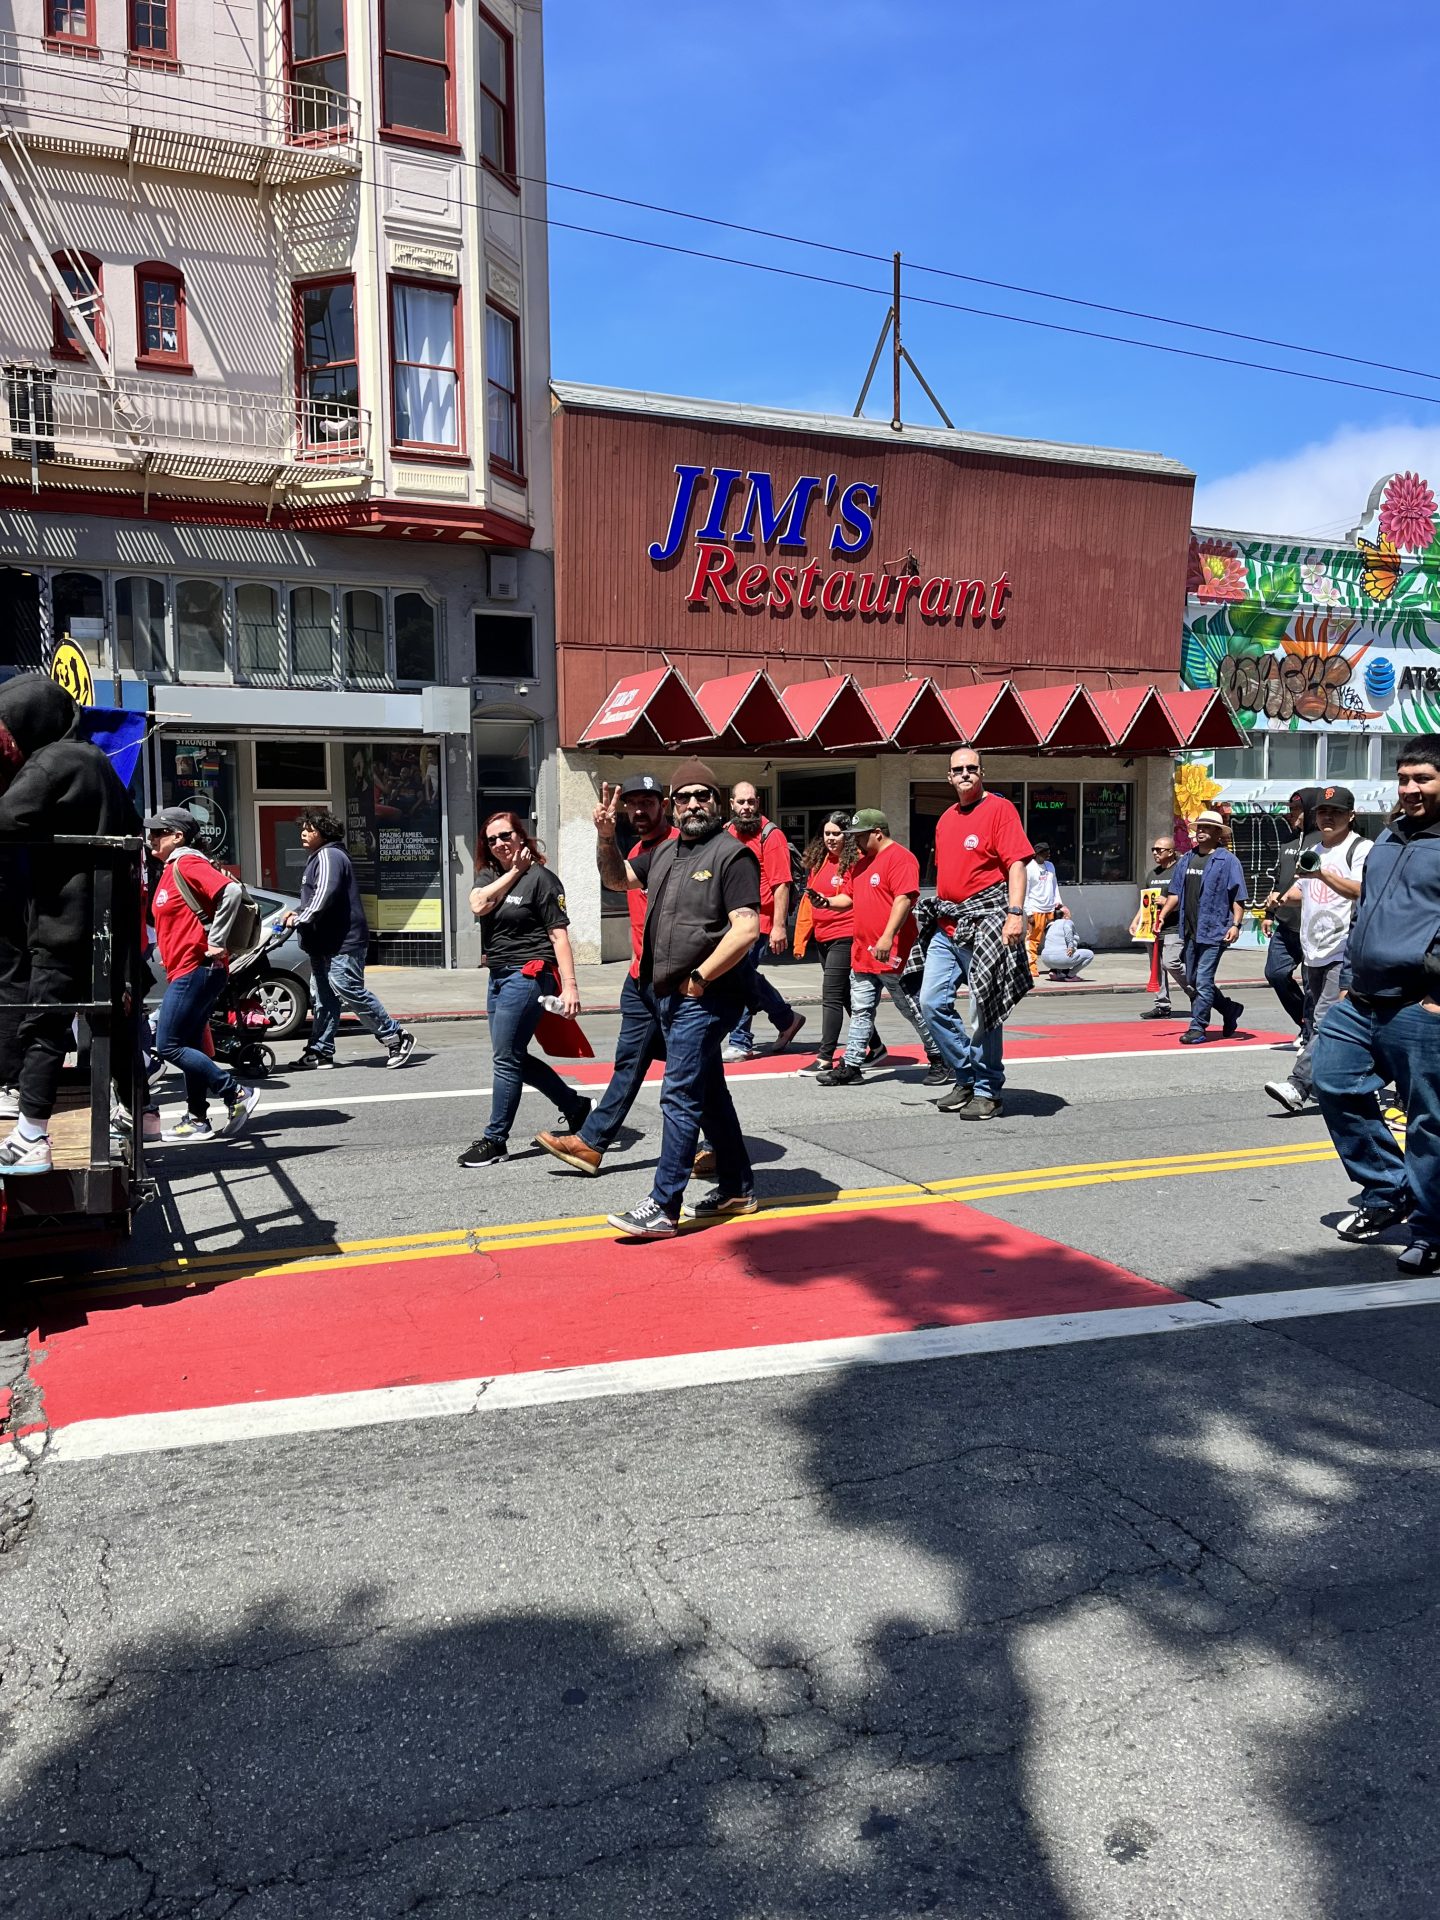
{"x":694,"y":773}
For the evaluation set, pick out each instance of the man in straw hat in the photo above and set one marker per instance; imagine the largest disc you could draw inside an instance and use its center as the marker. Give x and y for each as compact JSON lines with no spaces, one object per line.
{"x":1207,"y":896}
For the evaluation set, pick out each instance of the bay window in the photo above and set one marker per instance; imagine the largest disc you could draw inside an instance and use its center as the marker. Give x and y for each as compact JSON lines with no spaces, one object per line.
{"x":260,"y":642}
{"x":329,"y":368}
{"x":319,"y":67}
{"x":200,"y":627}
{"x":142,"y":625}
{"x":312,"y":616}
{"x":364,"y":632}
{"x":426,"y":367}
{"x":502,"y":390}
{"x":497,"y":86}
{"x":417,"y":88}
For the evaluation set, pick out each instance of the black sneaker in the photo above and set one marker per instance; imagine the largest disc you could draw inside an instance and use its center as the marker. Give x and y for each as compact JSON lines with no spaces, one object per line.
{"x":1194,"y":1037}
{"x":717,"y":1204}
{"x":1368,"y":1223}
{"x":1420,"y":1260}
{"x":938,"y":1076}
{"x":1157,"y":1012}
{"x":310,"y":1061}
{"x":822,"y":1063}
{"x":1227,"y":1032}
{"x":982,"y":1109}
{"x":481,"y":1153}
{"x":877,"y":1050}
{"x":956,"y":1100}
{"x":644,"y":1222}
{"x":843,"y":1075}
{"x":577,"y":1116}
{"x":401,"y":1048}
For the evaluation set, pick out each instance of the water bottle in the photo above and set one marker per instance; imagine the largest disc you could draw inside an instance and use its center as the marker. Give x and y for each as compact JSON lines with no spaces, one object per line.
{"x":552,"y":1003}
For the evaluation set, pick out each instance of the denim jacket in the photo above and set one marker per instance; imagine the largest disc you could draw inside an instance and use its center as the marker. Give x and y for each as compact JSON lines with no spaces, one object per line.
{"x":1223,"y":884}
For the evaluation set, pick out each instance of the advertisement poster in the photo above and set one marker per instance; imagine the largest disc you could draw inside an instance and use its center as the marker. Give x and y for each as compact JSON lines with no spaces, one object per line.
{"x":200,"y":775}
{"x":392,"y":831}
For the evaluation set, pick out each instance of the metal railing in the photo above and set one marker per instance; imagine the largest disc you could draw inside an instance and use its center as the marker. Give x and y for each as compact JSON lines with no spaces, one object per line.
{"x":69,"y":414}
{"x":188,"y":118}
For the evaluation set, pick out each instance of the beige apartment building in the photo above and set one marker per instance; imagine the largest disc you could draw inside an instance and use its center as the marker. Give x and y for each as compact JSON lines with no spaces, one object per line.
{"x":275,"y":454}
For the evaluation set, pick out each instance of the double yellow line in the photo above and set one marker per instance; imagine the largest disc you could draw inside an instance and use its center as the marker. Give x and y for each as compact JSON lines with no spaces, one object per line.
{"x":214,"y":1269}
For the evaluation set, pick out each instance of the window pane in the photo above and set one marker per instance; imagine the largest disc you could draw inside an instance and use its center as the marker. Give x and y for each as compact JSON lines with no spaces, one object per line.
{"x":425,"y":407}
{"x":416,"y":26}
{"x":311,"y":613}
{"x":160,"y":316}
{"x":425,"y":325}
{"x":1105,"y":832}
{"x":1293,"y":756}
{"x":327,"y":316}
{"x":492,"y":133}
{"x":77,"y":603}
{"x":1240,"y":763}
{"x":257,"y":619}
{"x":1392,"y":745}
{"x":414,"y":638}
{"x":291,"y":766}
{"x":200,"y":626}
{"x":416,"y":95}
{"x":151,"y":28}
{"x":426,"y":393}
{"x":504,"y":645}
{"x":364,"y":636}
{"x":68,"y":17}
{"x":1347,"y":756}
{"x":316,"y":27}
{"x":1053,"y":813}
{"x":141,"y":625}
{"x":500,"y":425}
{"x":500,"y":349}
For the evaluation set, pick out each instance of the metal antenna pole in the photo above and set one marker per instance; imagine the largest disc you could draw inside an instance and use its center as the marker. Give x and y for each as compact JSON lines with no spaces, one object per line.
{"x":898,"y":353}
{"x":896,"y":423}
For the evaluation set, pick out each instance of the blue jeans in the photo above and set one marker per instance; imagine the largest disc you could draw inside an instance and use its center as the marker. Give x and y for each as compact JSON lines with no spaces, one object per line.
{"x":1200,"y":967}
{"x":339,"y":980}
{"x":759,"y":994}
{"x":1358,"y":1050}
{"x":640,"y":1042}
{"x":184,"y":1012}
{"x":1283,"y":962}
{"x":975,"y":1060}
{"x":512,"y":1003}
{"x":865,"y":990}
{"x":694,"y":1094}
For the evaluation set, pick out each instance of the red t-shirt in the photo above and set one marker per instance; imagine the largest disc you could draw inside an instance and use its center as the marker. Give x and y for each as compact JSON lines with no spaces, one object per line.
{"x":831,"y":923}
{"x":635,"y":900}
{"x":976,"y":846}
{"x":179,"y":933}
{"x":772,"y":850}
{"x":874,"y":885}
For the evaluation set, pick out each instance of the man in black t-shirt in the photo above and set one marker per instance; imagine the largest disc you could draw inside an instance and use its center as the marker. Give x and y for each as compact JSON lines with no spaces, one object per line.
{"x":702,"y":917}
{"x":1171,"y":971}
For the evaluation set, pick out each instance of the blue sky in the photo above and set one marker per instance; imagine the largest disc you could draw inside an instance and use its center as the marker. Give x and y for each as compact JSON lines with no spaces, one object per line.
{"x":1268,"y":167}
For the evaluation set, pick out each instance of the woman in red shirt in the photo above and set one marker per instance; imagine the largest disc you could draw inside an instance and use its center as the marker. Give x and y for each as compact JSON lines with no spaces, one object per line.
{"x":829,"y":861}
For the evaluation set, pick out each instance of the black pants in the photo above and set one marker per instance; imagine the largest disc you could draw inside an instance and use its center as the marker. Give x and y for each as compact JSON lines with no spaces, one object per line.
{"x":834,"y":992}
{"x":1283,"y":964}
{"x":33,"y":1044}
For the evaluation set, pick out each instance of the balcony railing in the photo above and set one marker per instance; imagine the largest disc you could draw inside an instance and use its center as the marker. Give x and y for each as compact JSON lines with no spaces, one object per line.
{"x":187,"y":430}
{"x":229,"y":124}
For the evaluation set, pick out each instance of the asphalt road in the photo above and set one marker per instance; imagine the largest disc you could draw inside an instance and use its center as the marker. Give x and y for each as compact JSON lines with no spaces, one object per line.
{"x":1137,"y":1627}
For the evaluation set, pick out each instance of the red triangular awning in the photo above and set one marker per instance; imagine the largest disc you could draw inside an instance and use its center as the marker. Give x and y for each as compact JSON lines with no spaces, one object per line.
{"x":831,"y":713}
{"x":1136,"y":720}
{"x":990,"y":715}
{"x":911,"y":714}
{"x":1203,"y":719}
{"x":654,"y":709}
{"x":1066,"y":717}
{"x":744,"y":710}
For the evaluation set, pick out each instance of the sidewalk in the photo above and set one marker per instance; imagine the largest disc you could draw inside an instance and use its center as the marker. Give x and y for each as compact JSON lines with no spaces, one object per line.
{"x":414,"y":994}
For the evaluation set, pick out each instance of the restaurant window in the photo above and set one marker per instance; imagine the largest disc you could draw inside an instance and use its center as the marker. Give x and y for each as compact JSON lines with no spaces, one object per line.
{"x":152,"y":29}
{"x":258,"y":635}
{"x":292,"y":766}
{"x":502,"y":390}
{"x":319,"y":67}
{"x":70,"y":22}
{"x":1240,"y":763}
{"x":142,"y":625}
{"x":1293,"y":756}
{"x":77,"y":611}
{"x":364,"y":631}
{"x":504,"y":646}
{"x":312,"y":614}
{"x":329,"y":365}
{"x":1052,"y":814}
{"x":1106,"y":818}
{"x":84,"y":276}
{"x":424,"y":351}
{"x":1347,"y":756}
{"x":415,"y":637}
{"x":497,"y":87}
{"x":416,"y":84}
{"x":200,"y":626}
{"x":160,"y":331}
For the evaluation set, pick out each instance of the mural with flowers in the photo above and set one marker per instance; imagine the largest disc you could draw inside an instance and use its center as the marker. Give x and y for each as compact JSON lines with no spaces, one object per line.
{"x":1325,"y":635}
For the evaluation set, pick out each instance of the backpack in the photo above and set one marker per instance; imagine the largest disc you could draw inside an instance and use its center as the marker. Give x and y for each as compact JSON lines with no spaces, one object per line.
{"x":799,"y":877}
{"x":245,"y":928}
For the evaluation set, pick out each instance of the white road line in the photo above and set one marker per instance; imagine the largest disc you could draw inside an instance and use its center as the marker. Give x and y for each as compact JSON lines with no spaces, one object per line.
{"x":334,"y":1412}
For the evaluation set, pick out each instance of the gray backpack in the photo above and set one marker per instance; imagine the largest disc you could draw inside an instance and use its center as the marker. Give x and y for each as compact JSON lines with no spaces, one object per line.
{"x":245,"y":928}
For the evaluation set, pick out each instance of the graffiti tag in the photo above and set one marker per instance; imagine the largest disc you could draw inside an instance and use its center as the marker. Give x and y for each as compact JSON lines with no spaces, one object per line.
{"x":1288,"y":686}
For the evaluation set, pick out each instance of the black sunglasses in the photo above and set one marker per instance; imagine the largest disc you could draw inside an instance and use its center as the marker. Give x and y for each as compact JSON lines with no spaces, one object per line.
{"x":957,"y":770}
{"x":687,"y":794}
{"x":498,"y":839}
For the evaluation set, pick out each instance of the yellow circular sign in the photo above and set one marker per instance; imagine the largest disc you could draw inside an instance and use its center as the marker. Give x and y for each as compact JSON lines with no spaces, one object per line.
{"x":72,"y":670}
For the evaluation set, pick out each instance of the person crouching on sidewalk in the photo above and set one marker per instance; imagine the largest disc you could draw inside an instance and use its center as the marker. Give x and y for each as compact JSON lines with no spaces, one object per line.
{"x":1061,"y":950}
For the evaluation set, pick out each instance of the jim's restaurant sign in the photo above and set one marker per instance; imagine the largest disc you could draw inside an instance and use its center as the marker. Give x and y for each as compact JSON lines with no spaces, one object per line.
{"x":725,"y":514}
{"x":1342,"y":636}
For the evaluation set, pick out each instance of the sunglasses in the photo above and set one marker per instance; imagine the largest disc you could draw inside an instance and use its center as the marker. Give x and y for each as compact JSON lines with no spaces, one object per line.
{"x":498,"y":839}
{"x":688,"y":795}
{"x":960,"y":773}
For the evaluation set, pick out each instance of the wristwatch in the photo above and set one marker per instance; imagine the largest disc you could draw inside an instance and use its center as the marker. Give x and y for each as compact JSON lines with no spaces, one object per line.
{"x":1014,"y":913}
{"x":699,"y":978}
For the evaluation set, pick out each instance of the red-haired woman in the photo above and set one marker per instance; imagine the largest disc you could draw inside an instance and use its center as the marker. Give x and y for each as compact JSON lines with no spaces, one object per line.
{"x":520,"y":905}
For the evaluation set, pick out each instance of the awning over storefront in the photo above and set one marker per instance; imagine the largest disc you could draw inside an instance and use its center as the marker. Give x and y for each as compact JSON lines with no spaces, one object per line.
{"x":837,"y":715}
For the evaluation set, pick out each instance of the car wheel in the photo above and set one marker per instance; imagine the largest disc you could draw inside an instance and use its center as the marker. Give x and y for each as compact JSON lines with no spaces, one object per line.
{"x":286,"y":1001}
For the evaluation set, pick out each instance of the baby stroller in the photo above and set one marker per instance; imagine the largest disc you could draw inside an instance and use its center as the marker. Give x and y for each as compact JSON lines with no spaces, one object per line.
{"x":239,"y":1020}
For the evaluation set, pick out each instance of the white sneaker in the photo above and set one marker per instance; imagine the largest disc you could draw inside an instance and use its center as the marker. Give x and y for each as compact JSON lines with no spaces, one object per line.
{"x":730,"y":1053}
{"x":1286,"y":1094}
{"x":18,"y":1155}
{"x":9,"y":1103}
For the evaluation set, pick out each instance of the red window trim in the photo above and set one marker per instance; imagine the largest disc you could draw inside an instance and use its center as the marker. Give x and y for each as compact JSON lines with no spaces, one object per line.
{"x":298,"y":289}
{"x":504,"y":467}
{"x":428,"y":449}
{"x":508,"y":172}
{"x":179,"y":361}
{"x":84,"y":44}
{"x":60,"y":347}
{"x":296,"y":75}
{"x":421,"y":136}
{"x":166,"y":56}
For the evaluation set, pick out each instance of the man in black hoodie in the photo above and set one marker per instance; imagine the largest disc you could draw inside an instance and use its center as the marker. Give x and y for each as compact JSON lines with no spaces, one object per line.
{"x":50,"y":783}
{"x":1386,"y":1024}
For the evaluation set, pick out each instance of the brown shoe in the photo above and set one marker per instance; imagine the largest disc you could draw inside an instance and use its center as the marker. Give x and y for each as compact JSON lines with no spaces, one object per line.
{"x":704,"y":1167}
{"x":570,"y":1148}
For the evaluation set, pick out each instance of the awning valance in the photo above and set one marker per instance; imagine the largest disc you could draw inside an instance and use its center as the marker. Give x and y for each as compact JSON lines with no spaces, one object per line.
{"x":653,"y":709}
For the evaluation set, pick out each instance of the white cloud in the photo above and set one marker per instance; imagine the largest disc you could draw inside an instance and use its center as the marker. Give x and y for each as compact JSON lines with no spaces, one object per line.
{"x":1319,"y":492}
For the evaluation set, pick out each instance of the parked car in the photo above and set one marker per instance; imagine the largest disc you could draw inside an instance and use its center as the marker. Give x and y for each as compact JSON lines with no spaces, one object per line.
{"x":286,"y":994}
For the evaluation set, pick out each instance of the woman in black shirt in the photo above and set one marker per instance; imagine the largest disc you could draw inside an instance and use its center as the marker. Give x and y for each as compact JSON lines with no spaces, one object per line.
{"x":520,"y":905}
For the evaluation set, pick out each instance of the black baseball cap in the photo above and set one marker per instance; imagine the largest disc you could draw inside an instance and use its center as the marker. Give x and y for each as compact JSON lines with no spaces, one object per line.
{"x":1340,"y":797}
{"x":634,"y":783}
{"x":172,"y":820}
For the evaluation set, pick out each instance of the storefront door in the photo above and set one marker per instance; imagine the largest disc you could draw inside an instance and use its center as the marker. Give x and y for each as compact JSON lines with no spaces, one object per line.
{"x":277,"y":836}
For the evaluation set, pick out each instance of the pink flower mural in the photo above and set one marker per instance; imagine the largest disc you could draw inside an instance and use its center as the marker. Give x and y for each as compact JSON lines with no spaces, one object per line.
{"x":1222,"y":571}
{"x":1407,"y":513}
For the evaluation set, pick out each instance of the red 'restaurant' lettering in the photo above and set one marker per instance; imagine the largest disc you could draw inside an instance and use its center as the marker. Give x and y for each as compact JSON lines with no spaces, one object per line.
{"x":963,"y":592}
{"x":999,"y":597}
{"x":711,"y":566}
{"x":906,"y":587}
{"x":807,"y":586}
{"x":838,"y":593}
{"x":782,"y":589}
{"x":872,"y":602}
{"x":841,"y":592}
{"x":935,"y":597}
{"x":750,"y":587}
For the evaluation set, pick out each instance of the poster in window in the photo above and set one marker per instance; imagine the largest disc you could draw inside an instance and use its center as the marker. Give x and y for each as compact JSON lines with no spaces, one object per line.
{"x":200,"y":775}
{"x":1105,"y":831}
{"x":405,"y":802}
